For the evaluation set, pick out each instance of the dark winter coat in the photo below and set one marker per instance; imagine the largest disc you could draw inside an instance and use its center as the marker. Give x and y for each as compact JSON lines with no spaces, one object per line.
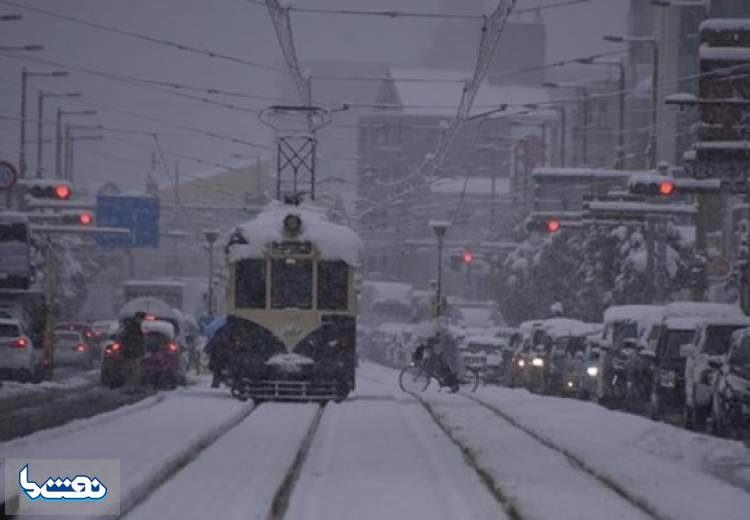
{"x":131,"y":339}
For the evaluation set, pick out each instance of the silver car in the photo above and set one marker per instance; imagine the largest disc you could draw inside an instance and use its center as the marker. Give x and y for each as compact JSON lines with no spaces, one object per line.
{"x":71,"y":349}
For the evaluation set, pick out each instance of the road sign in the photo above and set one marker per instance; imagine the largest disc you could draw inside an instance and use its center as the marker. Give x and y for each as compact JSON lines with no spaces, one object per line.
{"x":138,"y":214}
{"x":8,"y":175}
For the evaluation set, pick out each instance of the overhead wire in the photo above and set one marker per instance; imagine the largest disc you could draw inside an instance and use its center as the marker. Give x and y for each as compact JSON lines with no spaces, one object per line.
{"x":143,"y":37}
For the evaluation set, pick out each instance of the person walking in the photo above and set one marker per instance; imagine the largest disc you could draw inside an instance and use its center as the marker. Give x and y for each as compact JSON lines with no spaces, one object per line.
{"x":133,"y":350}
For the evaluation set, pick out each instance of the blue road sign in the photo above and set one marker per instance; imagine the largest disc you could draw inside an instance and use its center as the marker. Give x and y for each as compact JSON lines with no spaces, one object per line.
{"x":138,"y":214}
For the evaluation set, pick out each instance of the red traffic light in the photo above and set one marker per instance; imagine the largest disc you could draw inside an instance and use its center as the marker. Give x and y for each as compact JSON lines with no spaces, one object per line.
{"x":62,"y":191}
{"x":468,"y":257}
{"x":86,"y":218}
{"x":553,"y":225}
{"x":666,"y":188}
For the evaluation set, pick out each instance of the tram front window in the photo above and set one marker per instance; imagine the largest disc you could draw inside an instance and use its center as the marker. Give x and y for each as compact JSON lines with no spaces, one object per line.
{"x":291,"y":283}
{"x":250,"y":284}
{"x":333,"y":285}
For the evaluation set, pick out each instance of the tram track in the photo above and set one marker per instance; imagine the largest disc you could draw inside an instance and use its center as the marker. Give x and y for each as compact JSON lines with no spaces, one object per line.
{"x":513,"y":506}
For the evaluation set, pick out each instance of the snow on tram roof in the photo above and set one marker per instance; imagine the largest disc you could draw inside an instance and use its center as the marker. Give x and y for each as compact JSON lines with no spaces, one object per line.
{"x":333,"y":241}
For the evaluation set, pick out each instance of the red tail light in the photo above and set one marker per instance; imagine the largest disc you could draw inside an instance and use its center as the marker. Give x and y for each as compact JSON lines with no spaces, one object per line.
{"x":173,"y":348}
{"x":111,"y":349}
{"x":80,"y":348}
{"x":20,"y":343}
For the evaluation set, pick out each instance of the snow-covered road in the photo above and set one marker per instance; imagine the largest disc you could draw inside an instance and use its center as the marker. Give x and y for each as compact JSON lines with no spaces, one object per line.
{"x":500,"y":453}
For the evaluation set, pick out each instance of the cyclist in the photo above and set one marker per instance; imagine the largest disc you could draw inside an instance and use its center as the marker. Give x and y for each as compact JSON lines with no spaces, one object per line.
{"x":444,"y":359}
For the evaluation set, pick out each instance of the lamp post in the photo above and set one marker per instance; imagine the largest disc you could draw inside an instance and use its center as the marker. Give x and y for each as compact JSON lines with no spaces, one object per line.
{"x":654,"y":43}
{"x":440,"y":228}
{"x":211,"y":236}
{"x":41,"y":96}
{"x":59,"y":136}
{"x":25,"y":74}
{"x":585,"y":91}
{"x":620,"y":163}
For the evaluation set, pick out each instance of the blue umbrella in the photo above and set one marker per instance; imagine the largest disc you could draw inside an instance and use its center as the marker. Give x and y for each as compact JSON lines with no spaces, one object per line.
{"x":217,"y":323}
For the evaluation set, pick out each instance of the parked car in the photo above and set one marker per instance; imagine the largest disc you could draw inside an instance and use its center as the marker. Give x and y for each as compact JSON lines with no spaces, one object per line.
{"x":730,"y":407}
{"x":164,"y":362}
{"x":19,"y":360}
{"x":681,"y":321}
{"x":70,"y":348}
{"x":711,"y":344}
{"x":518,"y":369}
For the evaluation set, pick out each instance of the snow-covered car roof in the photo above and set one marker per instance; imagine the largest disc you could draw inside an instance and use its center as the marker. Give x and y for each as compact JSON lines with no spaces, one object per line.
{"x":333,"y":241}
{"x":382,"y":292}
{"x":632,"y":312}
{"x":159,"y":327}
{"x":739,"y":320}
{"x":683,"y":323}
{"x":561,"y":327}
{"x":702,"y":309}
{"x":529,"y":325}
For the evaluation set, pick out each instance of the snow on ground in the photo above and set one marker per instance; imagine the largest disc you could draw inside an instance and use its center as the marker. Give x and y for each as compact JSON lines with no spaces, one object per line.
{"x":238,"y":476}
{"x":379,"y":455}
{"x":146,"y":441}
{"x":672,"y":471}
{"x":14,"y":389}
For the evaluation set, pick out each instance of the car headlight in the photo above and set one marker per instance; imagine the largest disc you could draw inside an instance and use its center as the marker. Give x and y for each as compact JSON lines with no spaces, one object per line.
{"x":521,"y":363}
{"x":537,"y":362}
{"x":592,"y":371}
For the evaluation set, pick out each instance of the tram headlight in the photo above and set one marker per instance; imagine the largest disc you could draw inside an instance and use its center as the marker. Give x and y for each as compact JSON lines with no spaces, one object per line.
{"x":292,"y":224}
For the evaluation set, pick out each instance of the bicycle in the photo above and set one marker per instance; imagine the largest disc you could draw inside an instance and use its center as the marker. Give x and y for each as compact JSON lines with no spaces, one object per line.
{"x":416,"y":377}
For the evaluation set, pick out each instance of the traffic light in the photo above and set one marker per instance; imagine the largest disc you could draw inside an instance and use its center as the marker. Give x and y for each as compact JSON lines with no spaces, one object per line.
{"x":652,"y":186}
{"x":468,"y":257}
{"x":544,"y":225}
{"x":81,"y":218}
{"x":58,"y":190}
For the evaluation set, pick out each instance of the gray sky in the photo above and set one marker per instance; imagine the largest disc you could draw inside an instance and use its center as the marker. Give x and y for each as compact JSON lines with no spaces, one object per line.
{"x":234,"y":27}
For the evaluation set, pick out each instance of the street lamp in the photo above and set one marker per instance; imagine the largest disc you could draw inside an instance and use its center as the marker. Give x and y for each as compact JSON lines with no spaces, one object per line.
{"x":211,"y":235}
{"x":25,"y":74}
{"x":654,"y":43}
{"x":440,"y":228}
{"x":586,"y":96}
{"x":59,"y":137}
{"x":70,"y":141}
{"x":620,"y":164}
{"x":41,"y":96}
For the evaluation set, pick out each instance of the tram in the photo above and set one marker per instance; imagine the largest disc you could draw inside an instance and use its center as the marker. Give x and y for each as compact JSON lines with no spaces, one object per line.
{"x":292,"y":305}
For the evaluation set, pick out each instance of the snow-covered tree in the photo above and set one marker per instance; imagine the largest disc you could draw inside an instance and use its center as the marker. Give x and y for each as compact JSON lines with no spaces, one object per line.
{"x":589,"y":269}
